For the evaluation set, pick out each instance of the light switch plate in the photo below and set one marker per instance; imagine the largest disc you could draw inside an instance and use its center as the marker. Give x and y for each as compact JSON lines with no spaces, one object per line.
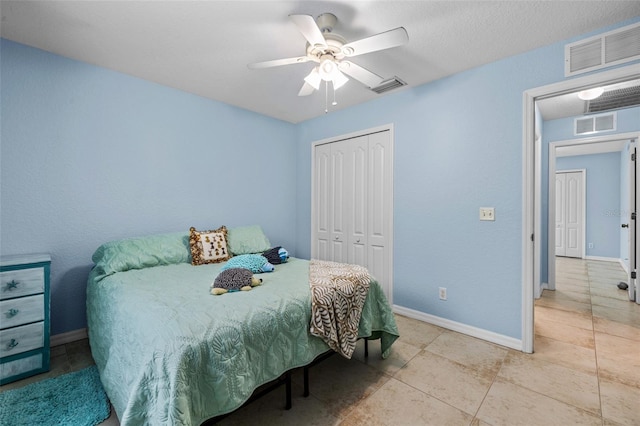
{"x":487,"y":213}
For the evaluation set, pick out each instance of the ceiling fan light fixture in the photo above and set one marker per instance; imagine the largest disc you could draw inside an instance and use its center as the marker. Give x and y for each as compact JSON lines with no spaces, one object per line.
{"x":590,"y":94}
{"x":314,"y":78}
{"x":328,"y":68}
{"x":339,"y":79}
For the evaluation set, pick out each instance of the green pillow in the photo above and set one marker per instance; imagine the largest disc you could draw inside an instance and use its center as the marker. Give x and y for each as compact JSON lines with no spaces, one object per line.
{"x":247,"y":240}
{"x":142,"y":252}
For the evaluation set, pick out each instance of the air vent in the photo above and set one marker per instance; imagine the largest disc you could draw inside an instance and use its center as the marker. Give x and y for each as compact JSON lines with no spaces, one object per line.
{"x":615,"y":99}
{"x":595,"y":124}
{"x":605,"y":50}
{"x":389,"y":84}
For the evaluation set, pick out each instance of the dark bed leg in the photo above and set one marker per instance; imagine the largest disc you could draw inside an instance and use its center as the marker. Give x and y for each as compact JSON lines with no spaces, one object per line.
{"x":288,"y":390}
{"x":366,"y":348}
{"x":306,"y":381}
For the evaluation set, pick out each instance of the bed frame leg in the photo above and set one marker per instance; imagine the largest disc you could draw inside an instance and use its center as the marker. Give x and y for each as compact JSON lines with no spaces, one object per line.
{"x":288,"y":390}
{"x":366,"y":348}
{"x":306,"y":381}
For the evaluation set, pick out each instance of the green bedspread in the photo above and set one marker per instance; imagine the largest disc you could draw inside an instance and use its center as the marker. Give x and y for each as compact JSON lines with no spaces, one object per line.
{"x":170,"y":353}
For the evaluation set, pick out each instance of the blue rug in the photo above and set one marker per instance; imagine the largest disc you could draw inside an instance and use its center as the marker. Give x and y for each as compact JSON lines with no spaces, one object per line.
{"x":74,"y":399}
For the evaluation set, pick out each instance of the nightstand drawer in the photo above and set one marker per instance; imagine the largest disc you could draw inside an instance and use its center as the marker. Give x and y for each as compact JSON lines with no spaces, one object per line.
{"x":21,"y":339}
{"x":21,"y":366}
{"x":24,"y":310}
{"x":21,"y":282}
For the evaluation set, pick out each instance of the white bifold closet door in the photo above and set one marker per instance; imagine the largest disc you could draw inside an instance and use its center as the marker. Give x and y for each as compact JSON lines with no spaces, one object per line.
{"x":569,"y":213}
{"x":352,"y":203}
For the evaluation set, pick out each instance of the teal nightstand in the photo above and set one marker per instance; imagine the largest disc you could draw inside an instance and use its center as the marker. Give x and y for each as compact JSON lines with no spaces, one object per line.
{"x":24,"y":316}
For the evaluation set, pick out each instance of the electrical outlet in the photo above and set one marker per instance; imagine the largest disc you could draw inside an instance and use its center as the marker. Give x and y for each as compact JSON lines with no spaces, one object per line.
{"x":442,"y":292}
{"x":590,"y":245}
{"x":487,"y":213}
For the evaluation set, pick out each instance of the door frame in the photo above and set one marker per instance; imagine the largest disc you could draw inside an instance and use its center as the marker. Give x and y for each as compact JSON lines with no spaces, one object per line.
{"x":633,"y":227}
{"x":530,"y":212}
{"x":551,"y":215}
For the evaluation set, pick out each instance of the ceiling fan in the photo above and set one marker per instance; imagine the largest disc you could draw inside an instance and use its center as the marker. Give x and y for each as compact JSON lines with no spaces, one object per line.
{"x":329,"y":50}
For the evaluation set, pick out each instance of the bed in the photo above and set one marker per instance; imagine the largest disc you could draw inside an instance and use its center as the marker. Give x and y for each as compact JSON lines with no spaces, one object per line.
{"x":169,"y":352}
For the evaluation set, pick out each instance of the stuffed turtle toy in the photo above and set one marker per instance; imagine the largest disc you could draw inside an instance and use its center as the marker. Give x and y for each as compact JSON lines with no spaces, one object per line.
{"x":234,"y":279}
{"x":276,"y":255}
{"x":256,"y":263}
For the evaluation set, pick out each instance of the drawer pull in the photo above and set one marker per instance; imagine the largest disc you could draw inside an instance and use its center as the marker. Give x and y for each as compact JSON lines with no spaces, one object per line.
{"x":12,"y":285}
{"x":12,"y":344}
{"x":12,"y":312}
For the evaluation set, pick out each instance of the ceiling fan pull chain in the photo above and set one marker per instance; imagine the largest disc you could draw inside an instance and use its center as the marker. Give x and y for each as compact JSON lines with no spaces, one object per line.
{"x":326,"y":97}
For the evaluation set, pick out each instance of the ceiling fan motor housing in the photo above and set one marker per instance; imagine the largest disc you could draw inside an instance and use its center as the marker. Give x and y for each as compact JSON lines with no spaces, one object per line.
{"x":333,"y":48}
{"x":326,"y":22}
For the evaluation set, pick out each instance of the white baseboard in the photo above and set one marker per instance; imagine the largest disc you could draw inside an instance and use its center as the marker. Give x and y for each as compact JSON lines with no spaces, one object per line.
{"x":604,"y":259}
{"x":624,"y":266}
{"x":68,"y":337}
{"x":480,"y":333}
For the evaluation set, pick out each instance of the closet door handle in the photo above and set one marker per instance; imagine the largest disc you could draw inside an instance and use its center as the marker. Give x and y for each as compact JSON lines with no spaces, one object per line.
{"x":625,"y":225}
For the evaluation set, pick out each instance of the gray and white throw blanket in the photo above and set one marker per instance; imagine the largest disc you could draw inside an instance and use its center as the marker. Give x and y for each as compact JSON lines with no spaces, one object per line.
{"x":338,"y":293}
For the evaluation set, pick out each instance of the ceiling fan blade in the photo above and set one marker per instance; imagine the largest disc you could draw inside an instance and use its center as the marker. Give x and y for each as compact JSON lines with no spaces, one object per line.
{"x":386,"y":40}
{"x":278,"y":62}
{"x":309,"y":29}
{"x":306,"y":89}
{"x":363,"y":75}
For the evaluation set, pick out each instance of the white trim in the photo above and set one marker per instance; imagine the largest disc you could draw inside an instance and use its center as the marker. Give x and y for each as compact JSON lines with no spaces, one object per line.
{"x":479,"y":333}
{"x":68,"y":337}
{"x":530,"y":212}
{"x":624,"y":266}
{"x":604,"y":259}
{"x":355,"y":134}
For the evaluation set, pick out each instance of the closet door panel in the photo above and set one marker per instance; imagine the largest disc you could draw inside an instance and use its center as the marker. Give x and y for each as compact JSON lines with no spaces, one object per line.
{"x":322,"y":201}
{"x":358,"y":176}
{"x":378,"y":265}
{"x":339,"y":202}
{"x":379,"y":188}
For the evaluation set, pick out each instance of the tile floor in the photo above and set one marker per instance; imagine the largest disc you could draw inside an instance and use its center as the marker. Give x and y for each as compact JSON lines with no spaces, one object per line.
{"x":585,"y":369}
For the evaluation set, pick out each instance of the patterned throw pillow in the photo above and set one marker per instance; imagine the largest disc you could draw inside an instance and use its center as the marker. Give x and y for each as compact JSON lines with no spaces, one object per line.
{"x":208,"y":246}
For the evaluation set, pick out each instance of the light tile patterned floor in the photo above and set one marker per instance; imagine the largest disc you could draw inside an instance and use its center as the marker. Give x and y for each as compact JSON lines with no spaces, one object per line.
{"x":585,"y":369}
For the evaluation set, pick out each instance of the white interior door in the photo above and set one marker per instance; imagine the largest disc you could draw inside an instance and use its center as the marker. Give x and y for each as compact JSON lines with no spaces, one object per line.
{"x":570,"y":213}
{"x":561,"y":230}
{"x":339,"y":202}
{"x":322,"y":201}
{"x":358,"y":183}
{"x":574,"y":214}
{"x":380,"y":221}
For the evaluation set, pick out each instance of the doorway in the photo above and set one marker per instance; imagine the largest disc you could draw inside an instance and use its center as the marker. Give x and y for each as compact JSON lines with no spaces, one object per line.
{"x":531,"y":250}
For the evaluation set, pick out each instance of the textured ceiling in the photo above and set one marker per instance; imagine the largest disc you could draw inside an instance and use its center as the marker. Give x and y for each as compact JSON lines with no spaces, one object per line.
{"x":203,"y":47}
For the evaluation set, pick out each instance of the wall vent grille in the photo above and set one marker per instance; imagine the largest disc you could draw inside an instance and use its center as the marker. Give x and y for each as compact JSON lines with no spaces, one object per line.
{"x":604,"y":50}
{"x":595,"y":124}
{"x":389,"y":84}
{"x":615,"y":99}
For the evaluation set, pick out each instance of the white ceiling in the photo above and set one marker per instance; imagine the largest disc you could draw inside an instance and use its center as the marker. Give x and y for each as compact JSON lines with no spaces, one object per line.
{"x":203,"y":47}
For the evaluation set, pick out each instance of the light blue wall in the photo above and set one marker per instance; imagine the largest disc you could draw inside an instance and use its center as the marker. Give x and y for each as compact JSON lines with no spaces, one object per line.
{"x":602,"y":227}
{"x":628,"y":120}
{"x":458,"y":146}
{"x":89,"y":155}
